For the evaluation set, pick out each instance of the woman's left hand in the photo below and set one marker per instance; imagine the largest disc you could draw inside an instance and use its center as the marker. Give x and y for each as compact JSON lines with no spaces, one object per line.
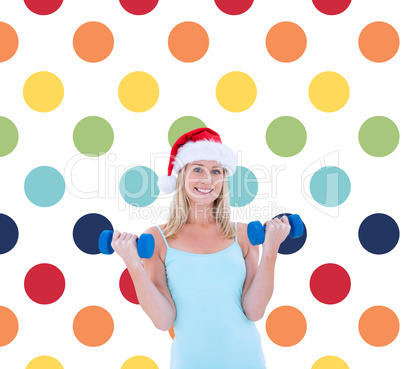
{"x":276,"y":231}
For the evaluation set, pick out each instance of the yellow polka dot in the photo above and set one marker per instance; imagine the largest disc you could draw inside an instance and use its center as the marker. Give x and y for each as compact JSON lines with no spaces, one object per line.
{"x":44,"y":362}
{"x":43,"y":92}
{"x":330,"y":362}
{"x":236,"y":91}
{"x":138,"y":91}
{"x":138,"y":362}
{"x":328,"y":91}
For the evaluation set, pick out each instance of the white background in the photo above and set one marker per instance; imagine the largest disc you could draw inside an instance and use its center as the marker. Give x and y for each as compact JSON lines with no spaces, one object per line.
{"x":237,"y":43}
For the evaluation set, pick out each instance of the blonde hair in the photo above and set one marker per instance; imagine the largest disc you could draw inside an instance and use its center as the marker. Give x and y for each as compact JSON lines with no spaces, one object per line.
{"x":180,"y":209}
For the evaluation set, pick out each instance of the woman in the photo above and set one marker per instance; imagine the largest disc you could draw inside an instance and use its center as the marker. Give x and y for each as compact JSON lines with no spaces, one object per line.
{"x":204,"y":275}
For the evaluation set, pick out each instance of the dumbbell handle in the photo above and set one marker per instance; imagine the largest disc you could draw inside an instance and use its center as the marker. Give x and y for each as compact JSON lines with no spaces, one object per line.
{"x":145,"y":244}
{"x":256,"y":231}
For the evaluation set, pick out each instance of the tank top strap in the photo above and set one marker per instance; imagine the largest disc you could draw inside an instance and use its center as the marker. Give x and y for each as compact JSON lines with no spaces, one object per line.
{"x":164,"y":238}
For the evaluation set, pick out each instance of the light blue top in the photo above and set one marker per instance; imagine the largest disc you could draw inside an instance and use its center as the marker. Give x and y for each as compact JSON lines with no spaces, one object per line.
{"x":211,"y":329}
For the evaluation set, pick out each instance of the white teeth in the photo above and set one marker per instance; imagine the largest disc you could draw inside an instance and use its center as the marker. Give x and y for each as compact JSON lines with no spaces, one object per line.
{"x":203,"y":191}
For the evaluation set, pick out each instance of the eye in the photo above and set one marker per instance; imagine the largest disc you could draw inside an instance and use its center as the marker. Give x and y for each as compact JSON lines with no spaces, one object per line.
{"x":216,"y":171}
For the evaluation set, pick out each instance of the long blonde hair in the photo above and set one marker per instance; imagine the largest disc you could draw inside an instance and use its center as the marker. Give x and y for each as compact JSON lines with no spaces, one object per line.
{"x":180,"y":209}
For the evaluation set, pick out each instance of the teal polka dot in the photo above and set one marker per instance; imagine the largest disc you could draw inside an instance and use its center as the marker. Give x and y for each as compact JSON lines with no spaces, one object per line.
{"x":243,"y":187}
{"x":286,"y":136}
{"x":138,"y":186}
{"x":44,"y":186}
{"x":330,"y":186}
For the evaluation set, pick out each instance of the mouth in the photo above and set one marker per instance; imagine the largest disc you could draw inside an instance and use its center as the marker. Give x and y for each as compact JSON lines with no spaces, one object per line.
{"x":203,"y":191}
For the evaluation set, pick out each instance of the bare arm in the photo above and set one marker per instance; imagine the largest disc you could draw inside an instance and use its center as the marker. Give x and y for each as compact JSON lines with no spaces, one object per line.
{"x":256,"y":298}
{"x":149,"y":280}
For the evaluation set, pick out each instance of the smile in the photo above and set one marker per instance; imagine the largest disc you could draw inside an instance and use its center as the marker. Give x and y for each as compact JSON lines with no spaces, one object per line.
{"x":203,"y":191}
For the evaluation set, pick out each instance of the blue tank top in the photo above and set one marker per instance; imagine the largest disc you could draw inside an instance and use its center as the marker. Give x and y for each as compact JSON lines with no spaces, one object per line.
{"x":211,"y":329}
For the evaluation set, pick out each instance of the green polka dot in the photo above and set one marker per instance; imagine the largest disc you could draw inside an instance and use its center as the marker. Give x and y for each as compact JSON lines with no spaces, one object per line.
{"x":330,"y":186}
{"x":138,"y":186}
{"x":243,"y":187}
{"x":44,"y":186}
{"x":286,"y":136}
{"x":93,"y":136}
{"x":378,"y":136}
{"x":8,"y":136}
{"x":183,"y":125}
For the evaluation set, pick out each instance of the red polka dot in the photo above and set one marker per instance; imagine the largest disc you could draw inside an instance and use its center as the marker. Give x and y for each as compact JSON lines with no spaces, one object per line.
{"x":44,"y":284}
{"x":331,"y":7}
{"x":330,"y":283}
{"x":138,"y":7}
{"x":127,"y":288}
{"x":43,"y":7}
{"x":234,"y":7}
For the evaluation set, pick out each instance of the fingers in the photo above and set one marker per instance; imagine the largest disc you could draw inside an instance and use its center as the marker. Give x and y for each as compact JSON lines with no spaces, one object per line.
{"x":116,"y":235}
{"x":278,"y":221}
{"x":119,"y":236}
{"x":282,"y":219}
{"x":125,"y":236}
{"x":131,"y":236}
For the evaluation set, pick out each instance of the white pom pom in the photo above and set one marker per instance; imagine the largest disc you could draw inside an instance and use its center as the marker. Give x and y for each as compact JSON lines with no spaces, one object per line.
{"x":167,"y":183}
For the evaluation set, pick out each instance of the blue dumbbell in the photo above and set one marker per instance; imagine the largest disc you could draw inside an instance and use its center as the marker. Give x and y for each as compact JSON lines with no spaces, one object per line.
{"x":256,"y":231}
{"x":145,"y":243}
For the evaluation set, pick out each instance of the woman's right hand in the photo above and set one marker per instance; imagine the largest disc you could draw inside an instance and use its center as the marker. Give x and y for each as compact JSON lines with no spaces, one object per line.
{"x":125,"y":245}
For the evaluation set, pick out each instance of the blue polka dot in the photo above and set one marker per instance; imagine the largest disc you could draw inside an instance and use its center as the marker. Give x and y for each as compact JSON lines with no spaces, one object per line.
{"x":292,"y":245}
{"x":44,"y":186}
{"x":138,"y":186}
{"x":243,"y":187}
{"x":330,"y":186}
{"x":8,"y":233}
{"x":378,"y":233}
{"x":87,"y":230}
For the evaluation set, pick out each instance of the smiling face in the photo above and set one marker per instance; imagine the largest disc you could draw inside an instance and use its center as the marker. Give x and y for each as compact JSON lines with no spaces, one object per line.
{"x":203,"y":181}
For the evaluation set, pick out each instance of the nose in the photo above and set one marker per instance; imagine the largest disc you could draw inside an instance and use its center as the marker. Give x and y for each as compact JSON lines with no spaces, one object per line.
{"x":207,"y":178}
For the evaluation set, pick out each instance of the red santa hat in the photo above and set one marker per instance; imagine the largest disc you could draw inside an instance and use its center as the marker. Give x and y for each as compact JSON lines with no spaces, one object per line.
{"x":198,"y":144}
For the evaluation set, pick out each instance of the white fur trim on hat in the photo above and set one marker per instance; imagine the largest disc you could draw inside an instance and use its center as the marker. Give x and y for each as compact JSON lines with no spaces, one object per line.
{"x":205,"y":150}
{"x":167,"y":183}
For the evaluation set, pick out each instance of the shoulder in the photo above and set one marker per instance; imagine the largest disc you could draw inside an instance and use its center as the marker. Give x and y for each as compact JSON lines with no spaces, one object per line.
{"x":242,"y":238}
{"x":251,"y":254}
{"x":159,"y":241}
{"x":155,"y":231}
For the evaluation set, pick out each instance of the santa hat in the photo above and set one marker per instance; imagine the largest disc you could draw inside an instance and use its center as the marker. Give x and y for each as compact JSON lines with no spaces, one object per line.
{"x":198,"y":144}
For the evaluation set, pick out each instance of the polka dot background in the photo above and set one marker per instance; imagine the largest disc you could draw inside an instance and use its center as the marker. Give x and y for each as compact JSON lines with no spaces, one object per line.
{"x":92,"y":100}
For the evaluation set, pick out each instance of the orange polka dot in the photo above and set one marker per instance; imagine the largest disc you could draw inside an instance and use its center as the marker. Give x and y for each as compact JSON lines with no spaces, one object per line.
{"x":171,"y":332}
{"x":93,"y":42}
{"x":93,"y":326}
{"x":286,"y":326}
{"x":286,"y":42}
{"x":8,"y":42}
{"x":379,"y":326}
{"x":378,"y":42}
{"x":188,"y":42}
{"x":8,"y":326}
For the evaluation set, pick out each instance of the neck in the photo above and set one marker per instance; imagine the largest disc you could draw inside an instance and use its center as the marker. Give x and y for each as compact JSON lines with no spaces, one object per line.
{"x":201,"y":215}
